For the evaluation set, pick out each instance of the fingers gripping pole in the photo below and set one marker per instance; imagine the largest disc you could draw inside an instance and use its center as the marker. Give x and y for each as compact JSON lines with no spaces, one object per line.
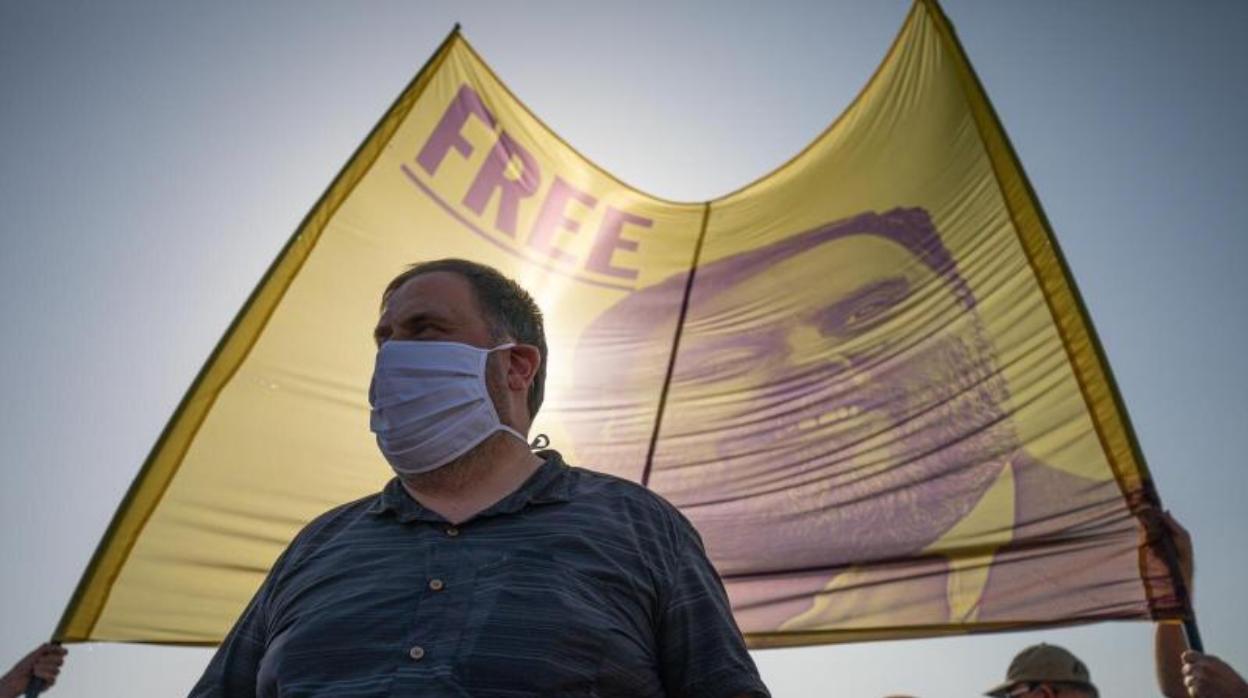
{"x":1171,"y":554}
{"x":37,"y":685}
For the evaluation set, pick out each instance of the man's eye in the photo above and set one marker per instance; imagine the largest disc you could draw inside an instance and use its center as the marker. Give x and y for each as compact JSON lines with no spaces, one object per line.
{"x":868,"y":312}
{"x":721,"y":360}
{"x":417,"y":329}
{"x":865,"y":308}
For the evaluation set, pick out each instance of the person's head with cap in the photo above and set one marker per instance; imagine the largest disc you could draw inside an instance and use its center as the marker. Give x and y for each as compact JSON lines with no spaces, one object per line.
{"x":1046,"y":671}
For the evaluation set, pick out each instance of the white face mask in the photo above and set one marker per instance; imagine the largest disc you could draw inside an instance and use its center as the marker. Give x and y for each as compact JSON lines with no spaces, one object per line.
{"x":430,"y":403}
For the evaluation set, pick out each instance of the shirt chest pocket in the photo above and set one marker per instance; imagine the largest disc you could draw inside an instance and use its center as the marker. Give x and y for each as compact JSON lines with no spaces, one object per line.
{"x":534,"y":623}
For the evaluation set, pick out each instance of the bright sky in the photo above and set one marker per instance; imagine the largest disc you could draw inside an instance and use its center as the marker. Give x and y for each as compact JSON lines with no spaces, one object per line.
{"x":155,"y":158}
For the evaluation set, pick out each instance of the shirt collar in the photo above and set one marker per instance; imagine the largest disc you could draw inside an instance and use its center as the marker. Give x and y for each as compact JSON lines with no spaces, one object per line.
{"x":551,"y":483}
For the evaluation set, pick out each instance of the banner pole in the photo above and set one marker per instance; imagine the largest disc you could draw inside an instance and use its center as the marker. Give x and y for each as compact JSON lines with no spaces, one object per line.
{"x":1170,"y":552}
{"x":1193,"y":634}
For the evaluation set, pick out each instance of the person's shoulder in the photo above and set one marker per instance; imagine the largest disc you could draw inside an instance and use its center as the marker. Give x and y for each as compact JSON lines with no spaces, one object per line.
{"x":626,"y":496}
{"x":595,"y":483}
{"x":345,"y":512}
{"x":331,"y":523}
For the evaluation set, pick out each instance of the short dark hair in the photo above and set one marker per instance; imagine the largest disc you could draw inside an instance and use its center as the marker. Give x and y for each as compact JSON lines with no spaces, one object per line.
{"x":508,"y":310}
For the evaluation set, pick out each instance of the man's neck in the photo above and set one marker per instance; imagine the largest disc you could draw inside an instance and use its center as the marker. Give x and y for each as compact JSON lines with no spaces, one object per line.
{"x":476,"y":480}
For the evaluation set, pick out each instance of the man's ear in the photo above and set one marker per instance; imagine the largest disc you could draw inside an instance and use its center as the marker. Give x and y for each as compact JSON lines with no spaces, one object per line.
{"x":525,"y":360}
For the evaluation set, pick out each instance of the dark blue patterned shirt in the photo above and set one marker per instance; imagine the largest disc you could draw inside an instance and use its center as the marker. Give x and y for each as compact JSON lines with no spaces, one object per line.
{"x":576,"y":584}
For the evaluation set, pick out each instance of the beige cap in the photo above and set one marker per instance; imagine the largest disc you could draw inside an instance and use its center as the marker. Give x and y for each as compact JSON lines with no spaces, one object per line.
{"x":1045,"y":664}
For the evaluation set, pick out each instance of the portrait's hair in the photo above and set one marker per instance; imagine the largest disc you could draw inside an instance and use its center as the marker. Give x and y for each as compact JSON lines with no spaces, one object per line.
{"x":508,"y":310}
{"x":912,"y":228}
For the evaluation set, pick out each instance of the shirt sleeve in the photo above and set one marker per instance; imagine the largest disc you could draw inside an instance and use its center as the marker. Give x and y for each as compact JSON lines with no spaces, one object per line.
{"x":233,"y":671}
{"x":702,"y":653}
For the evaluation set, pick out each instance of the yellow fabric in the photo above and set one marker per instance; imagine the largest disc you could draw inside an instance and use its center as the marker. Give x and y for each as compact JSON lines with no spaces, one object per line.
{"x":904,"y":236}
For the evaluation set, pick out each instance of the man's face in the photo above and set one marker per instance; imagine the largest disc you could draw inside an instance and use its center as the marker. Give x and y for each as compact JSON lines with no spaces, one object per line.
{"x":441,"y":306}
{"x":1044,"y":690}
{"x":841,"y":389}
{"x":841,"y":399}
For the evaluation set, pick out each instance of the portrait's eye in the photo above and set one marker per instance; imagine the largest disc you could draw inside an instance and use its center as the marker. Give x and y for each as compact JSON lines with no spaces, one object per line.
{"x":723,"y":360}
{"x":867,"y":312}
{"x":865,"y":308}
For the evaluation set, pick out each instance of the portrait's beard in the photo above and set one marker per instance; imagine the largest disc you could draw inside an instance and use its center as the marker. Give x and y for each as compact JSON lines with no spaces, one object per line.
{"x":869,"y":462}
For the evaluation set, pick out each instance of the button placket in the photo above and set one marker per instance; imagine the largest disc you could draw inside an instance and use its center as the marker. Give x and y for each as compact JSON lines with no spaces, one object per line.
{"x":428,"y":621}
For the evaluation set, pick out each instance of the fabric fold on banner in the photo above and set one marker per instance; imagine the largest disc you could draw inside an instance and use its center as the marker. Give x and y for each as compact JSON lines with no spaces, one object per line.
{"x":867,"y":377}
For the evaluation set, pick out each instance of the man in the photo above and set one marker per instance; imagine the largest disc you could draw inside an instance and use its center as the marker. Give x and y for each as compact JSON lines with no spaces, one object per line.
{"x":483,"y":569}
{"x":1046,"y":671}
{"x":838,"y":420}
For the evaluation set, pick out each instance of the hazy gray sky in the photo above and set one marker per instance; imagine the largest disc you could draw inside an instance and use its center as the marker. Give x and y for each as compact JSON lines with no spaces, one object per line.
{"x":156,"y":157}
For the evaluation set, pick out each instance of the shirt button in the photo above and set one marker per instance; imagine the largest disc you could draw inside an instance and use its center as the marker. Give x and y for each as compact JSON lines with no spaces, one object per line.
{"x":436,"y":584}
{"x":416,"y":653}
{"x":452,"y":531}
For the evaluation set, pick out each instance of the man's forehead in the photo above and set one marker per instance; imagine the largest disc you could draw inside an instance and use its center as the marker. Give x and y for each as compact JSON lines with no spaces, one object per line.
{"x":435,"y":292}
{"x":909,"y":231}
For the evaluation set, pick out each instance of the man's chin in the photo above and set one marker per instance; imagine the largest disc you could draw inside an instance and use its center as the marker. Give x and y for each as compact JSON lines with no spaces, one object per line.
{"x":462,"y":470}
{"x":890,"y":499}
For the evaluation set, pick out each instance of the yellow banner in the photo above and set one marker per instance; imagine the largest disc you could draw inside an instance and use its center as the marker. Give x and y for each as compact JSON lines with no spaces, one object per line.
{"x":866,"y":378}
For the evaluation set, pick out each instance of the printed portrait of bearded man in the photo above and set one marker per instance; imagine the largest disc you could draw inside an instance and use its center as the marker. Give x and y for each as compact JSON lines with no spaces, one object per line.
{"x":839,"y":429}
